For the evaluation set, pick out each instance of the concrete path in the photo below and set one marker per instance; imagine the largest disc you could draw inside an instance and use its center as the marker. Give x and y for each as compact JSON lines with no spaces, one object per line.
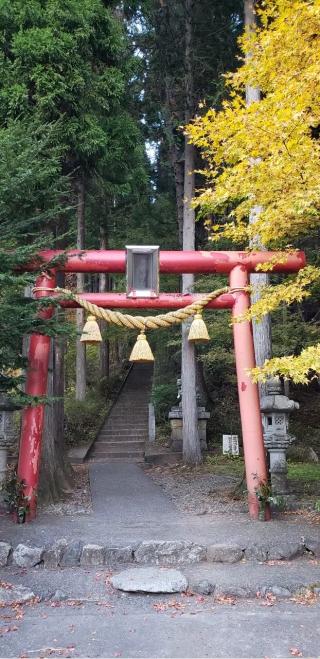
{"x":129,"y":507}
{"x":95,"y":621}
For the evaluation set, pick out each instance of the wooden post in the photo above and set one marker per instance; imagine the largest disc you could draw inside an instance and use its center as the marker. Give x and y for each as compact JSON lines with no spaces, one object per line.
{"x":33,"y":417}
{"x":252,"y":435}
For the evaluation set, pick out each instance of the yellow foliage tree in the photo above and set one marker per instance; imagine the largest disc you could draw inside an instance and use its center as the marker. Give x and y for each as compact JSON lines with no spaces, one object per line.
{"x":267,"y":154}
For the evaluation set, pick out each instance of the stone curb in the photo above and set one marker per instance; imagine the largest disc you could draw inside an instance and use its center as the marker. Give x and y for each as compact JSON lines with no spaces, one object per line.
{"x":64,"y":553}
{"x":18,"y":594}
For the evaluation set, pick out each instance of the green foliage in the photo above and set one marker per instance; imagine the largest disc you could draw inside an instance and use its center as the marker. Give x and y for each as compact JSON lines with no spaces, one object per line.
{"x":84,"y":418}
{"x":163,"y":397}
{"x":13,"y":495}
{"x":60,"y":61}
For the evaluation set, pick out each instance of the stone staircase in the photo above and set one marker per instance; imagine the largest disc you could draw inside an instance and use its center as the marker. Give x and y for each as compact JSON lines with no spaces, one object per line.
{"x":122,"y":437}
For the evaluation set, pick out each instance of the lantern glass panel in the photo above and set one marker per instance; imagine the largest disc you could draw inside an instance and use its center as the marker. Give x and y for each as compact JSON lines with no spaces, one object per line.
{"x":142,"y":271}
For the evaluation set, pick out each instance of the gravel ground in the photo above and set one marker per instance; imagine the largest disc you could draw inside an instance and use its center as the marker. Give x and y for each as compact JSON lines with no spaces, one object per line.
{"x":199,"y":492}
{"x":77,"y":502}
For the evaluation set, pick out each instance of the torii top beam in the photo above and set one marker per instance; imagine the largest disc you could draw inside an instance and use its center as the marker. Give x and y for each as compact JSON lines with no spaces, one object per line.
{"x":174,"y":262}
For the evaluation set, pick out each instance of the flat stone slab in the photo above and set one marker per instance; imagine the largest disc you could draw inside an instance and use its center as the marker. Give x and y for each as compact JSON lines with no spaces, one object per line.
{"x":150,"y":580}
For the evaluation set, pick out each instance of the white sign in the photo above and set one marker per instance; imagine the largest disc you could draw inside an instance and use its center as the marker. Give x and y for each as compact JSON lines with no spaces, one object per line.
{"x":230,"y":444}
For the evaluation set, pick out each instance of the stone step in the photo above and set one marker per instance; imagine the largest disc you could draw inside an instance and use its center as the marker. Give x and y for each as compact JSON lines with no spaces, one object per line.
{"x":119,"y":441}
{"x":117,"y":454}
{"x":119,"y":446}
{"x":124,"y":431}
{"x":126,"y":423}
{"x":110,"y":458}
{"x":132,"y":432}
{"x":120,"y":412}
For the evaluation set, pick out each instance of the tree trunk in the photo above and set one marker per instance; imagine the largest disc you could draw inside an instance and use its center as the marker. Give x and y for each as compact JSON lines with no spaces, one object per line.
{"x":56,"y":472}
{"x":103,"y":287}
{"x":176,"y":159}
{"x":80,"y":347}
{"x":261,"y":331}
{"x":191,"y":441}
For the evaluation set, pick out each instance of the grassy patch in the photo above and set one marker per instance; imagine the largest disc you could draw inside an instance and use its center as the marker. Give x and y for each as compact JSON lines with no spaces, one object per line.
{"x":225,"y":464}
{"x":304,"y":471}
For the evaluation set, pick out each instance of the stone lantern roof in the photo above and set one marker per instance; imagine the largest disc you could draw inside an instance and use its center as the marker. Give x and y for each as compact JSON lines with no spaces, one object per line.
{"x":275,"y":401}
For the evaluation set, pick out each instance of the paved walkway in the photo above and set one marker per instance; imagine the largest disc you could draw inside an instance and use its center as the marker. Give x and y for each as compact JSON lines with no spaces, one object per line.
{"x":129,"y":507}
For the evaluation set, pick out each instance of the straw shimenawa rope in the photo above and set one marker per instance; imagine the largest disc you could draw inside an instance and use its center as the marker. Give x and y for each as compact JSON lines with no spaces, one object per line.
{"x":145,"y":322}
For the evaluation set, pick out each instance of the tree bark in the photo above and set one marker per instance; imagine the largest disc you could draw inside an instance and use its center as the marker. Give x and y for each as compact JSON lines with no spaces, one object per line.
{"x":80,"y":347}
{"x":56,"y":472}
{"x":191,"y":441}
{"x":176,"y":158}
{"x":103,"y":287}
{"x":261,"y":331}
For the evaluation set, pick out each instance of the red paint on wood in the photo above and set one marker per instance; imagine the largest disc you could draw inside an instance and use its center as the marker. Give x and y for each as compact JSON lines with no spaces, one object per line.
{"x":33,"y":417}
{"x":164,"y":301}
{"x":252,"y":434}
{"x":172,"y":262}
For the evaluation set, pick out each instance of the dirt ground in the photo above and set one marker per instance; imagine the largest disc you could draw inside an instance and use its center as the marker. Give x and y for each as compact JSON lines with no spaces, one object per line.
{"x":76,"y":502}
{"x":207,"y":489}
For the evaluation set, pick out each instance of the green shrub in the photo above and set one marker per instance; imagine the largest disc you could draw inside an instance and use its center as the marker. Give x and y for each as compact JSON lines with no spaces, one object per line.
{"x":84,"y":418}
{"x":163,"y":397}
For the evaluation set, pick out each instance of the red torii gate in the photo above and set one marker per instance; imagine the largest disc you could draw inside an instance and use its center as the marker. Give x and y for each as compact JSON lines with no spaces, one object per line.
{"x":238,"y":265}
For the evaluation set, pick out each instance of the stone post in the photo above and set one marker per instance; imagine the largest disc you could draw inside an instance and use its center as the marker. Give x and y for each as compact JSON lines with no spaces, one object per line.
{"x":176,"y":423}
{"x":7,"y":435}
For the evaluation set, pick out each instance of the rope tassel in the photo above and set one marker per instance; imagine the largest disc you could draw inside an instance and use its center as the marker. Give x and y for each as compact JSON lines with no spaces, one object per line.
{"x":141,"y":351}
{"x":91,"y":332}
{"x":198,"y":331}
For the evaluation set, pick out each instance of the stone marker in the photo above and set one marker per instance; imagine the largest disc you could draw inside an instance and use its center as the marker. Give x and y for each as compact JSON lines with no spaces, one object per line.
{"x":27,"y":556}
{"x":150,"y":580}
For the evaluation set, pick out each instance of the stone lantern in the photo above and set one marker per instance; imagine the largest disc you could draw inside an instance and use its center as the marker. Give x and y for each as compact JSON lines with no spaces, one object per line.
{"x":276,"y":408}
{"x":176,"y":423}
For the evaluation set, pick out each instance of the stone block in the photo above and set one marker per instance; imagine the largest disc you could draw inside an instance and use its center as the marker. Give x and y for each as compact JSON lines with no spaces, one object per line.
{"x":92,"y":555}
{"x":225,"y":590}
{"x":203,"y":587}
{"x":118,"y":555}
{"x":256,"y":553}
{"x":52,"y":556}
{"x":169,"y":552}
{"x":5,"y":550}
{"x":59,"y":596}
{"x":277,"y":591}
{"x":221,"y":553}
{"x":25,"y":556}
{"x":71,"y":555}
{"x":15,"y":595}
{"x":150,"y":580}
{"x":285,"y":551}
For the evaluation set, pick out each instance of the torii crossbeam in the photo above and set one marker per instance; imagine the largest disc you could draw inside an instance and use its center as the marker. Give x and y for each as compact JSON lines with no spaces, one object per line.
{"x":238,"y":265}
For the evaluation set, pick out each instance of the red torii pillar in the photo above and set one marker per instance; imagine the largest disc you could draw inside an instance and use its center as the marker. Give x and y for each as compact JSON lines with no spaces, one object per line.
{"x":237,"y":265}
